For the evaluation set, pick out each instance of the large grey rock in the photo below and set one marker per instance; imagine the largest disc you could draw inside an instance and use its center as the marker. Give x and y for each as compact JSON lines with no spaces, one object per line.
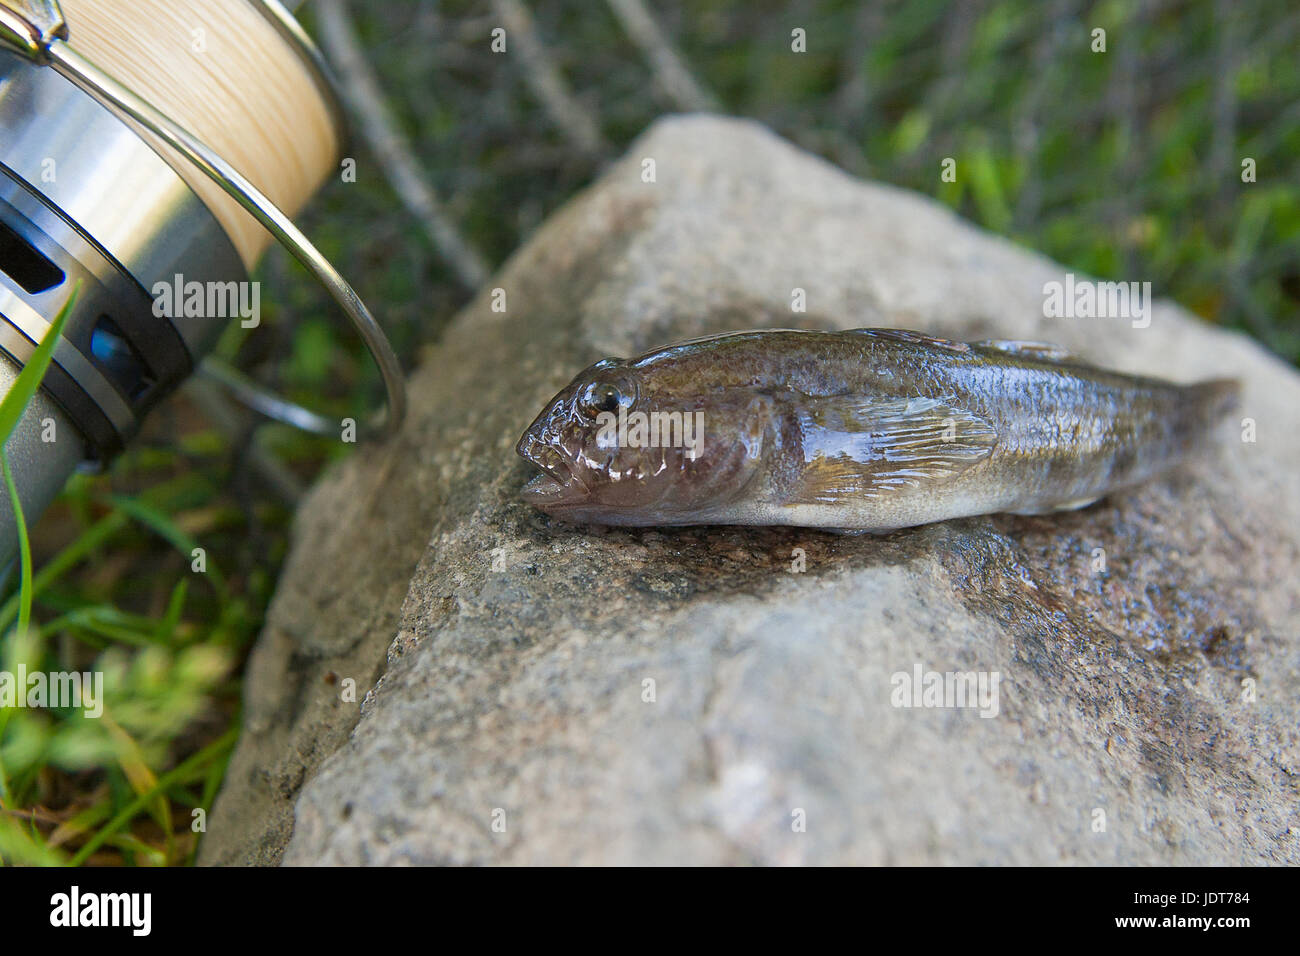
{"x":1147,"y":713}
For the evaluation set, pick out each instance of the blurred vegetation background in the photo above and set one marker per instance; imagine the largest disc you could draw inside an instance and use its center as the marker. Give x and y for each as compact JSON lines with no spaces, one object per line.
{"x":1126,"y":164}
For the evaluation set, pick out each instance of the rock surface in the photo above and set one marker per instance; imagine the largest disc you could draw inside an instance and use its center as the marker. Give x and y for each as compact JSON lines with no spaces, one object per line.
{"x":1147,"y":712}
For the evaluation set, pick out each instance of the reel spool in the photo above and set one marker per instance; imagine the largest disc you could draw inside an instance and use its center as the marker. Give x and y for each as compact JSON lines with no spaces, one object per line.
{"x":150,"y":146}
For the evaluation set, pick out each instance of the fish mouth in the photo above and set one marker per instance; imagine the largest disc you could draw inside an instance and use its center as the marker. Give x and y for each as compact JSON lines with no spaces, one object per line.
{"x":559,"y":481}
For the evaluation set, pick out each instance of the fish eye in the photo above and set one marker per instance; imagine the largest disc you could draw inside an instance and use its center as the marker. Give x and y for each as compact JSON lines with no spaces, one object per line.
{"x":601,"y":397}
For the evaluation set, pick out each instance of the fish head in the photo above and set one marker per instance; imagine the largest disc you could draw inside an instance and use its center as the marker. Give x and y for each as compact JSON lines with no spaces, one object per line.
{"x":621,"y":445}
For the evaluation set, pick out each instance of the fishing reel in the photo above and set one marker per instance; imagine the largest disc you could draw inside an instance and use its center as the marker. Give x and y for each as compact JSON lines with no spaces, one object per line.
{"x":121,"y":128}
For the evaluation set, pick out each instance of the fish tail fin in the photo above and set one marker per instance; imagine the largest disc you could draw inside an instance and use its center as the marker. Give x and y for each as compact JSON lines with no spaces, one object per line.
{"x":1211,"y":401}
{"x":1198,"y":411}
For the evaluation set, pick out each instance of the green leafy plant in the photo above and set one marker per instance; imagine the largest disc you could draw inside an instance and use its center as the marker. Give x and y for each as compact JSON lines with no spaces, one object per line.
{"x":156,"y":683}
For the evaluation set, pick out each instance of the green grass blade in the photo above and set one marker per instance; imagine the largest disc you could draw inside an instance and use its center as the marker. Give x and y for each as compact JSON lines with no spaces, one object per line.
{"x":19,"y":846}
{"x":24,"y":547}
{"x":162,"y":524}
{"x":182,"y":771}
{"x":51,"y":570}
{"x":29,"y":379}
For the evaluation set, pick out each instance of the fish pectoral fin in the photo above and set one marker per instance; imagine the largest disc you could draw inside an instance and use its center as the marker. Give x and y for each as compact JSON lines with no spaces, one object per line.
{"x":855,"y":447}
{"x":1042,"y":351}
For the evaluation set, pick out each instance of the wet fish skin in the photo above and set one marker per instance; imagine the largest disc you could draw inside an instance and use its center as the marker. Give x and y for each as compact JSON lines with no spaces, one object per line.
{"x":869,"y":429}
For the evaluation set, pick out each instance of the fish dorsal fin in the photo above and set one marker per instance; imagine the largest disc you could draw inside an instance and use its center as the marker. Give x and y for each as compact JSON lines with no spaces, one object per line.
{"x":863,"y":447}
{"x":916,"y":338}
{"x":1042,"y":351}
